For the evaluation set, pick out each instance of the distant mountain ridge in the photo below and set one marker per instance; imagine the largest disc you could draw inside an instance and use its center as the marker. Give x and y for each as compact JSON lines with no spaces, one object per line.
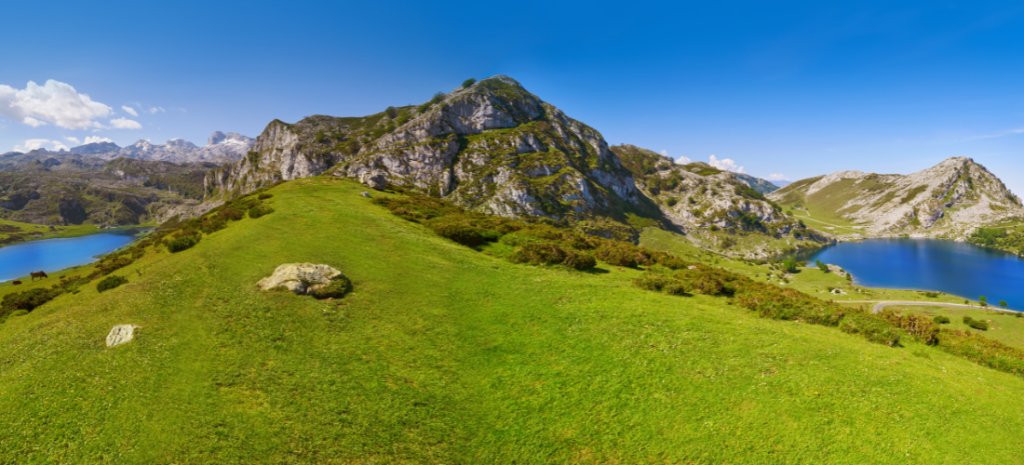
{"x":221,"y":148}
{"x":949,"y":200}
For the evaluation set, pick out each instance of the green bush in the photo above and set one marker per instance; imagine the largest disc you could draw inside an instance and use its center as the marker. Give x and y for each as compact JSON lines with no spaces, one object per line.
{"x":265,"y":196}
{"x":539,"y":253}
{"x":579,"y":260}
{"x":183,"y":242}
{"x":919,"y":326}
{"x":468,"y":82}
{"x":259,"y":210}
{"x":941,"y":319}
{"x":337,"y":288}
{"x":976,"y":324}
{"x":26,"y":300}
{"x":462,"y":231}
{"x":110,"y":282}
{"x":790,"y":265}
{"x":623,"y":254}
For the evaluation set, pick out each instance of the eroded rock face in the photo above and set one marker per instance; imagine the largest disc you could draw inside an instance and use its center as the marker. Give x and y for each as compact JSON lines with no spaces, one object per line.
{"x":300,"y":278}
{"x":121,"y":334}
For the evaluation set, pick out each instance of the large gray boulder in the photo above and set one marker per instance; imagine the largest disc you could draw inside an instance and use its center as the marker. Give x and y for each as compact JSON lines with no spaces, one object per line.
{"x":121,"y":334}
{"x":300,"y":278}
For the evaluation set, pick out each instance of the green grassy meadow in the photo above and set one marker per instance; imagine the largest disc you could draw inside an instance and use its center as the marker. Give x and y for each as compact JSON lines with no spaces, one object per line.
{"x":443,"y":354}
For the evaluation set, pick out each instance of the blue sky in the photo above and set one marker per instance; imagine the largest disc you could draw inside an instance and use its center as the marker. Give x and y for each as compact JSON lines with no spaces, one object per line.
{"x":786,"y":88}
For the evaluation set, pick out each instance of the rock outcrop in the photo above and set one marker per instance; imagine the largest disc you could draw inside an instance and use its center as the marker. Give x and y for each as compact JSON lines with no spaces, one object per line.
{"x":121,"y":334}
{"x":492,"y":147}
{"x":300,"y":278}
{"x":948,"y":200}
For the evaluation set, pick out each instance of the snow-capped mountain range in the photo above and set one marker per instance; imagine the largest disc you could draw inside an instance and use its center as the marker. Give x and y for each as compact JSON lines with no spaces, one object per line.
{"x":220,"y":148}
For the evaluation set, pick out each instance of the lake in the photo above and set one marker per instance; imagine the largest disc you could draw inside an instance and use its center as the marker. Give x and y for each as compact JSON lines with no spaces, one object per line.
{"x":56,"y":254}
{"x":953,"y":267}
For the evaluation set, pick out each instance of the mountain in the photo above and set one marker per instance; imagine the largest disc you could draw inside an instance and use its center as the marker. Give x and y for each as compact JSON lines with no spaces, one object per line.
{"x":703,"y":202}
{"x":221,"y":148}
{"x":763,"y":186}
{"x":948,"y":200}
{"x":491,"y":146}
{"x":495,"y":148}
{"x":65,"y":188}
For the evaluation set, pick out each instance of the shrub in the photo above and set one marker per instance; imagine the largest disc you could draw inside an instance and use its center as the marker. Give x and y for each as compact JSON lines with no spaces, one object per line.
{"x":27,"y":300}
{"x":468,"y":82}
{"x":873,"y":329}
{"x":110,"y":282}
{"x":976,"y":324}
{"x":982,"y":350}
{"x":790,"y":265}
{"x":462,"y":230}
{"x":265,"y":196}
{"x":259,"y":210}
{"x":622,"y":254}
{"x":183,"y":242}
{"x":111,"y":263}
{"x":661,"y":283}
{"x":539,"y":253}
{"x":918,"y":326}
{"x":337,"y":288}
{"x":941,"y":319}
{"x":821,"y":266}
{"x":579,"y":260}
{"x":230,"y":213}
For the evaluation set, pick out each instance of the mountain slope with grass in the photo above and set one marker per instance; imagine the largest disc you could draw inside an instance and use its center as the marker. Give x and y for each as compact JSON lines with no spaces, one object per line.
{"x":949,"y":200}
{"x":445,"y":354}
{"x":490,"y":145}
{"x":717,"y":209}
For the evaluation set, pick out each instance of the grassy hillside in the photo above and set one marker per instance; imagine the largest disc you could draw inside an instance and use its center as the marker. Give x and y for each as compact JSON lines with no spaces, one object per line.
{"x":446,"y":355}
{"x":14,"y":231}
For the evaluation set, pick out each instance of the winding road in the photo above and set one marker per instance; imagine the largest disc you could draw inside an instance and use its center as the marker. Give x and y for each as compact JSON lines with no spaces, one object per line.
{"x":881,"y":304}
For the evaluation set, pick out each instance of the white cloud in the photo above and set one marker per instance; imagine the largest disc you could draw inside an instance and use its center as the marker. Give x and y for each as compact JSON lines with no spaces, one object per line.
{"x":727,"y":164}
{"x":155,"y":110}
{"x":54,"y":102}
{"x":777,"y":177}
{"x":35,"y":144}
{"x":130,"y":110}
{"x":125,"y":123}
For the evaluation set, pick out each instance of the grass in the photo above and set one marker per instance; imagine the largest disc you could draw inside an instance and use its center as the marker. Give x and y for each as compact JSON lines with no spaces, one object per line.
{"x":442,"y":354}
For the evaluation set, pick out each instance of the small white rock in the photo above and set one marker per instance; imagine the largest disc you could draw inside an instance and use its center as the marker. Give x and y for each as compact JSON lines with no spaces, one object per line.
{"x":121,"y":334}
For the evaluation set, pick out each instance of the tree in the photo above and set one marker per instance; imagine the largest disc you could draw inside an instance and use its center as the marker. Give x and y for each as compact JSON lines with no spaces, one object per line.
{"x":468,"y":82}
{"x":983,"y":301}
{"x":1002,"y":303}
{"x":822,"y":266}
{"x":790,"y":265}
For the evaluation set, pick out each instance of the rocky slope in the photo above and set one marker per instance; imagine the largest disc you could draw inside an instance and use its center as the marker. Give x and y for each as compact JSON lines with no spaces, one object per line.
{"x":948,"y":200}
{"x":491,"y":146}
{"x":703,"y":201}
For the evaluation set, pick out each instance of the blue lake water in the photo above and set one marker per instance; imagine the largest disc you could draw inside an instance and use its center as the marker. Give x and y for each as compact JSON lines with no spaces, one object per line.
{"x":953,"y":267}
{"x":55,"y":254}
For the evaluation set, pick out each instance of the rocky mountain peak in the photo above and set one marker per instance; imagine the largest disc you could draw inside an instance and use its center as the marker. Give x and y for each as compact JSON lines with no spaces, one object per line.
{"x":492,"y":146}
{"x":949,"y":199}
